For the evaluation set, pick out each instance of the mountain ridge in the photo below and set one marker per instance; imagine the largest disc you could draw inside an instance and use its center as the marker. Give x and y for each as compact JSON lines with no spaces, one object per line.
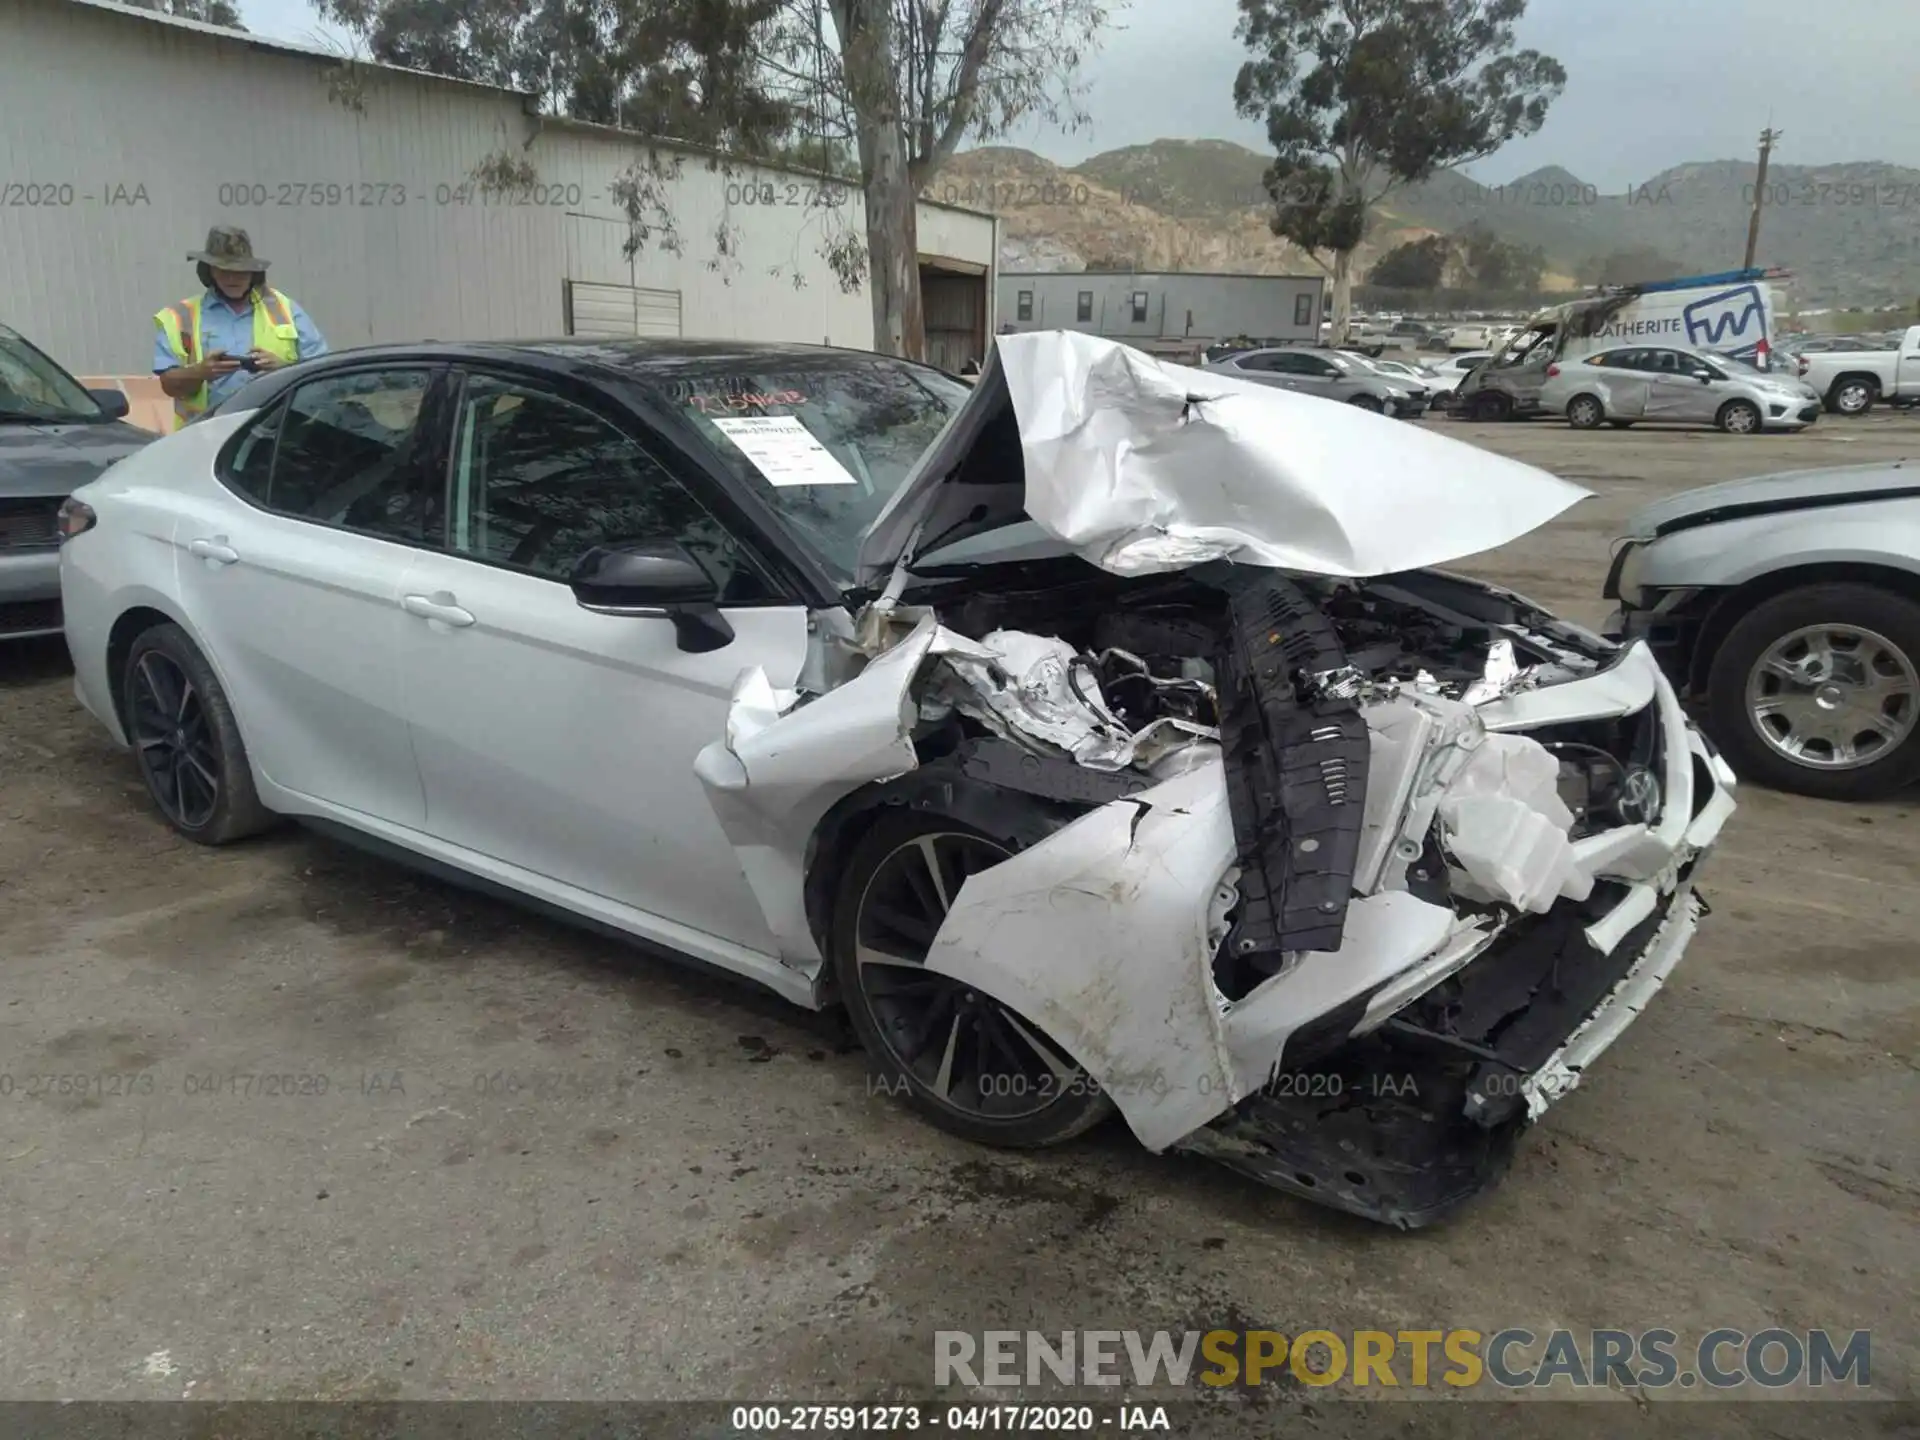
{"x":1849,"y":231}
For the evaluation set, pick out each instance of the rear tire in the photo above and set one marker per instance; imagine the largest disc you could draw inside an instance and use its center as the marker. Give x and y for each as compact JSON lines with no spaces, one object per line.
{"x":1585,"y":412}
{"x":1737,"y":670}
{"x":1006,"y":1082}
{"x":1739,"y":417}
{"x":1853,"y":394}
{"x":186,"y":741}
{"x":1489,"y":406}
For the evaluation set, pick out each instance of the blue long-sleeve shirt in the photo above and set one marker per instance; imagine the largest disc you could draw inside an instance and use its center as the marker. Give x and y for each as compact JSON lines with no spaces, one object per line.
{"x":224,"y":328}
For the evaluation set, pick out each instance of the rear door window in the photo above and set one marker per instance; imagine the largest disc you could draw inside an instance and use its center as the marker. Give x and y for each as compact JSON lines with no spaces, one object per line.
{"x":346,"y":451}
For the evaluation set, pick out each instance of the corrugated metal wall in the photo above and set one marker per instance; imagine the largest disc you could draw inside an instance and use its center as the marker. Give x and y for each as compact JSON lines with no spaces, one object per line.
{"x":366,"y":213}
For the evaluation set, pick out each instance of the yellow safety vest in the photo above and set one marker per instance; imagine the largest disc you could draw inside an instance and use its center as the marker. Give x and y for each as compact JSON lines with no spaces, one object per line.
{"x":273,"y":332}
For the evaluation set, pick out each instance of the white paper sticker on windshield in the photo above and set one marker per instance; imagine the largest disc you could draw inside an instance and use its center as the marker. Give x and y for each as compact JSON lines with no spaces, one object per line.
{"x":784,"y":450}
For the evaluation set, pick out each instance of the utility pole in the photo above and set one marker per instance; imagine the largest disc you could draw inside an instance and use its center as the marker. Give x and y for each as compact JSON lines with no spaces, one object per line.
{"x":1767,"y":139}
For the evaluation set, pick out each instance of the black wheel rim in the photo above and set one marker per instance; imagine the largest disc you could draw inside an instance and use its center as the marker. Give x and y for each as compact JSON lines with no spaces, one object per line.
{"x":174,"y":739}
{"x":968,"y":1051}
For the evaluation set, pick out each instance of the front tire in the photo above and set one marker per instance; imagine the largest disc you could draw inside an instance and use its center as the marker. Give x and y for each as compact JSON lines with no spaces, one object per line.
{"x":186,"y":742}
{"x":1369,"y":403}
{"x":1739,"y":417}
{"x":968,"y":1063}
{"x":1585,"y":412}
{"x":1817,"y":692}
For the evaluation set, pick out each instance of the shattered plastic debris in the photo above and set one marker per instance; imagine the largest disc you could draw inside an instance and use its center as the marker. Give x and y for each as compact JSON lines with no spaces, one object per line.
{"x":1034,"y":688}
{"x":1505,"y":826}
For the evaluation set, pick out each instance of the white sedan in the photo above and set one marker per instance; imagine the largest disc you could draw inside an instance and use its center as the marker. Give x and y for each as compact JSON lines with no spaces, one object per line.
{"x":1043,"y":725}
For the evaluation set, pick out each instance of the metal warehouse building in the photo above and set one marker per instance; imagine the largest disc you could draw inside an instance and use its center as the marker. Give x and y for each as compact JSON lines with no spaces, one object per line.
{"x":1167,"y":313}
{"x":126,"y":134}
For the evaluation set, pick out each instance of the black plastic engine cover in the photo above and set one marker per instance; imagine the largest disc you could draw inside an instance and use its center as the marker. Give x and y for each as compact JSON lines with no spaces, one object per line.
{"x":1296,"y":766}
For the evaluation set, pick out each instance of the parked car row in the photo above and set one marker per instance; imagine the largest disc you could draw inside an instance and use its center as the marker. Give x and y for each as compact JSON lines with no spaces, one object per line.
{"x":1332,"y":375}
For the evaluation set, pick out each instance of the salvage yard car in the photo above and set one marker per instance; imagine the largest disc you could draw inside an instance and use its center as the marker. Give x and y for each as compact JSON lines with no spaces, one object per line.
{"x":1330,"y":375}
{"x":1789,"y":606}
{"x":1675,"y":385}
{"x":1854,"y":380}
{"x":1096,"y":736}
{"x":54,"y":435}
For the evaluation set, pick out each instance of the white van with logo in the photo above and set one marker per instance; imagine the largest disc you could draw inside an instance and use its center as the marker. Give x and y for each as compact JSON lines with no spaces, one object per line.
{"x":1731,"y":313}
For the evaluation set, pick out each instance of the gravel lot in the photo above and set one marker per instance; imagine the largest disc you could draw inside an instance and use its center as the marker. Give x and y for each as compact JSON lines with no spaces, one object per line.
{"x":692,"y":1193}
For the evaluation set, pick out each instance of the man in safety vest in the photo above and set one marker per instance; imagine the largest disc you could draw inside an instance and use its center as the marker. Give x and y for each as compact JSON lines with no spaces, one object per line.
{"x":211,"y":344}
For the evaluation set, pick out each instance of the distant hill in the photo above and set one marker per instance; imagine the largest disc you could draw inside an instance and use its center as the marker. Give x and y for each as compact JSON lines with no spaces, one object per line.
{"x":1851,"y":233}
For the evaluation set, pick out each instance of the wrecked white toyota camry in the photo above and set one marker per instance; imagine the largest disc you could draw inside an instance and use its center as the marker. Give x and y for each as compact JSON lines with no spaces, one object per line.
{"x":1095,"y":736}
{"x":1305,"y":858}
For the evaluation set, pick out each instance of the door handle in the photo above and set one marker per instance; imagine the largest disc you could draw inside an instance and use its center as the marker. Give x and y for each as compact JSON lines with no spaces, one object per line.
{"x":437,"y":606}
{"x":217,"y":550}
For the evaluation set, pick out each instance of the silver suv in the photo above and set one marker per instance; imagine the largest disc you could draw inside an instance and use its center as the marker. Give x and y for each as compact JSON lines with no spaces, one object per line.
{"x":1675,"y":385}
{"x":1329,"y":374}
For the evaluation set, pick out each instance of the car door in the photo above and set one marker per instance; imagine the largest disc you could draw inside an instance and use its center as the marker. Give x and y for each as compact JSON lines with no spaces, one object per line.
{"x":290,"y":574}
{"x":1623,"y":376}
{"x":561,"y":740}
{"x":1679,"y":393}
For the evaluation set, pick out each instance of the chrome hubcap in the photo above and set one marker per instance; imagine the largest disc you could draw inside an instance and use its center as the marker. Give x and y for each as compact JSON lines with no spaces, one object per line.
{"x":1854,"y":397}
{"x":1585,"y":412}
{"x":1741,"y":420}
{"x":1833,"y":697}
{"x":973,"y":1053}
{"x":174,"y":741}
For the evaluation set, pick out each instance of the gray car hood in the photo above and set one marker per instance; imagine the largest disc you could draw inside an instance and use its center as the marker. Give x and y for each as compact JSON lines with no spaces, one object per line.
{"x":1766,"y":494}
{"x":57,"y":459}
{"x":1141,"y":466}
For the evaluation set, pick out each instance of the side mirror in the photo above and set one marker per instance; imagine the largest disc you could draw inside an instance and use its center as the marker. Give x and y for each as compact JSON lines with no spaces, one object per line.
{"x":653,"y":577}
{"x":1705,"y":377}
{"x":112,"y":403}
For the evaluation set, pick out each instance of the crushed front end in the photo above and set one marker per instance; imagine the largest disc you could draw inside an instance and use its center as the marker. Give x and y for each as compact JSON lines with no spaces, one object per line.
{"x":1437,"y":859}
{"x":1335,"y":876}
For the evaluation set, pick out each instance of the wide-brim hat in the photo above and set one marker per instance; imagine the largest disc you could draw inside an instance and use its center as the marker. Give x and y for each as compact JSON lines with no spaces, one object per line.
{"x":229,"y":248}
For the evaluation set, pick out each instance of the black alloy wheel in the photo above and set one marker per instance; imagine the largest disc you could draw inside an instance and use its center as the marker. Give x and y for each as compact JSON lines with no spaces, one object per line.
{"x":971,"y":1063}
{"x":173,"y":737}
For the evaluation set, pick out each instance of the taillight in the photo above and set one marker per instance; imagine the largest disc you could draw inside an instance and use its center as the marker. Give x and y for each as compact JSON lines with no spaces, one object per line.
{"x":76,"y":518}
{"x":1552,"y":370}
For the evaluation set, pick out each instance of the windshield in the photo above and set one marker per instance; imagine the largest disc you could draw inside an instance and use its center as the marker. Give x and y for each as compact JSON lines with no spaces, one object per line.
{"x":32,"y":387}
{"x":826,"y":447}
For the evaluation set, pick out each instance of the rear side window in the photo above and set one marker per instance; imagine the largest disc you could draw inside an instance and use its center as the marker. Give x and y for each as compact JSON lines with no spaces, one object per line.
{"x":344,"y":451}
{"x":249,"y":464}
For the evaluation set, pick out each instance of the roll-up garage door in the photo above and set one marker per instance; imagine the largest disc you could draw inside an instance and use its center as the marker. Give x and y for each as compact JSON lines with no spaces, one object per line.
{"x":621,"y":310}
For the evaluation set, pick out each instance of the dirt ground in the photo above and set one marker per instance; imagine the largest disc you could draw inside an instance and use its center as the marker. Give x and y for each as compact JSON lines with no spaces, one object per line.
{"x":547,"y":1166}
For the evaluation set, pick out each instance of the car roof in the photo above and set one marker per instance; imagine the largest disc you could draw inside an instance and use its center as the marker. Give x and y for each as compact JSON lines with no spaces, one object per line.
{"x":633,"y":359}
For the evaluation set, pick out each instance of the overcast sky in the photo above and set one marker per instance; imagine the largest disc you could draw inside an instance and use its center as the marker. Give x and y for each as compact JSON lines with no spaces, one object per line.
{"x":1650,"y":82}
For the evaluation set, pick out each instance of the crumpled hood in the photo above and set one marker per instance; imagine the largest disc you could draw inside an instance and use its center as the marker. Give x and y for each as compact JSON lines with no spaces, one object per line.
{"x":1141,"y":466}
{"x":55,"y":459}
{"x":1758,"y":494}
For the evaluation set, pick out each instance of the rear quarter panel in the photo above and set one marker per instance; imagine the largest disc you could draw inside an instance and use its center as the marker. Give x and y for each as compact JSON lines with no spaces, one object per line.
{"x":128,"y":560}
